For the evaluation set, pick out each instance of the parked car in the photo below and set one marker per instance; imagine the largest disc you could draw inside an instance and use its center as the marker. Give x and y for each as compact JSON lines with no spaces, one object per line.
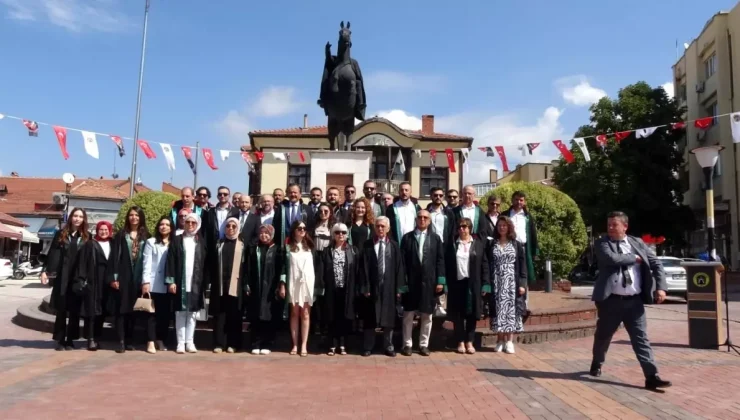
{"x":675,"y":275}
{"x":6,"y":268}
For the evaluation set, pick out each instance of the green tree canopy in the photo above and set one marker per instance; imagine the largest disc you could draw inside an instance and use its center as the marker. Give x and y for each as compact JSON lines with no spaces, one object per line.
{"x":155,"y":204}
{"x":560,"y":230}
{"x":636,"y":176}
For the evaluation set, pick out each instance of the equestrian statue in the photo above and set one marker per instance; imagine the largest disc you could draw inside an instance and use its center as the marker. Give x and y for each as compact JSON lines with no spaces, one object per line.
{"x":342,"y":91}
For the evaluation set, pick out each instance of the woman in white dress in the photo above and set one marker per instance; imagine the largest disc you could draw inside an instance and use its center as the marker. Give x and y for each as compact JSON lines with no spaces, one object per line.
{"x":300,"y":268}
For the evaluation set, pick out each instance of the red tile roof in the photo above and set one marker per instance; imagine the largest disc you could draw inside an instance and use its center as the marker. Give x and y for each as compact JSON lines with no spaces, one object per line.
{"x":167,"y":187}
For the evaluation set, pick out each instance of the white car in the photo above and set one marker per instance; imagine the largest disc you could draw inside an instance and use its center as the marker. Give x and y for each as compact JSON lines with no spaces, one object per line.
{"x":6,"y":268}
{"x":675,"y":275}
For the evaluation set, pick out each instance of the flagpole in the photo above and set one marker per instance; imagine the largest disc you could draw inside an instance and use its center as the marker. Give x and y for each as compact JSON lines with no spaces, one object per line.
{"x":138,"y":99}
{"x":195,"y":175}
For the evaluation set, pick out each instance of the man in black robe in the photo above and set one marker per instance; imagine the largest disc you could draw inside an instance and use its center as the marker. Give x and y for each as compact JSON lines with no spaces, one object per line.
{"x":382,"y":281}
{"x":423,"y":258}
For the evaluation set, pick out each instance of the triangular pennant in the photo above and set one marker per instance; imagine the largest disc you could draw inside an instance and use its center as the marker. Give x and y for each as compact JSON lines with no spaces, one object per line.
{"x":208,"y":156}
{"x":61,"y":134}
{"x":400,"y":163}
{"x":621,"y":135}
{"x":483,"y":149}
{"x":532,"y":146}
{"x":259,"y":155}
{"x":189,"y":157}
{"x":2,"y":116}
{"x":704,"y":123}
{"x":248,"y":160}
{"x":489,"y":152}
{"x":224,"y":155}
{"x":450,"y":159}
{"x":279,"y":156}
{"x":567,"y":155}
{"x":119,"y":144}
{"x":581,"y":143}
{"x":643,"y":133}
{"x":417,"y":152}
{"x":144,"y":146}
{"x":523,"y":149}
{"x":502,"y":156}
{"x":678,"y":125}
{"x":33,"y":128}
{"x":91,"y":143}
{"x":168,"y":156}
{"x":432,"y":160}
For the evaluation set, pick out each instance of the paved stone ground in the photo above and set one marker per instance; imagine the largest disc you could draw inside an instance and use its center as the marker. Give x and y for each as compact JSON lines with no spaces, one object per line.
{"x":539,"y":381}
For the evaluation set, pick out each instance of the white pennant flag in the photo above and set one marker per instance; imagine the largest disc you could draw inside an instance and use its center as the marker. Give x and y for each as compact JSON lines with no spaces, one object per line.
{"x":735,"y":126}
{"x":91,"y":144}
{"x":224,"y":154}
{"x":400,"y":163}
{"x":523,"y":149}
{"x":417,"y":152}
{"x":279,"y":156}
{"x":582,"y":145}
{"x":644,"y":133}
{"x":466,"y":154}
{"x":168,"y":156}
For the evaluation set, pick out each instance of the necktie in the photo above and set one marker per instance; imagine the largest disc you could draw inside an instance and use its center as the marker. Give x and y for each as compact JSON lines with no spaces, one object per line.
{"x":242,"y":219}
{"x":381,"y":257}
{"x":292,"y":213}
{"x":626,"y":277}
{"x":421,"y":246}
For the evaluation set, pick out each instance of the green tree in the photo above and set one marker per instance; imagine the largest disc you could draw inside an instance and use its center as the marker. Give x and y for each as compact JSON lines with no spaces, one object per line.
{"x":155,"y":205}
{"x":561,"y":233}
{"x":637,"y":176}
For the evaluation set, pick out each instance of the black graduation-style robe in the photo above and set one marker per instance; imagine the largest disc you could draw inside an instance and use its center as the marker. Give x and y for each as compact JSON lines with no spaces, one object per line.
{"x":216,"y":276}
{"x":450,"y":229}
{"x":92,"y":269}
{"x":61,"y":262}
{"x":422,"y":276}
{"x":175,"y":274}
{"x":359,"y":234}
{"x":382,"y":308}
{"x":479,"y":219}
{"x":478,"y":279}
{"x":391,"y":214}
{"x":351,"y":270}
{"x":250,"y":231}
{"x":126,"y":273}
{"x":262,"y":282}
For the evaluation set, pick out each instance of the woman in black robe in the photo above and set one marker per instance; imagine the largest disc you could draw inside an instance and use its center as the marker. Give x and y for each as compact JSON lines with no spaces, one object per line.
{"x":361,"y":226}
{"x":92,"y":282}
{"x":125,"y":276}
{"x":185,"y":278}
{"x":60,"y":266}
{"x":265,"y":297}
{"x":340,"y":268}
{"x":467,"y":269}
{"x":227,"y":289}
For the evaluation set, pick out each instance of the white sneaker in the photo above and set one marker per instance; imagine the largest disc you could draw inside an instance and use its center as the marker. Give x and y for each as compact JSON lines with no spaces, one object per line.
{"x":180,"y":349}
{"x":499,"y":347}
{"x":256,"y":352}
{"x":509,"y":348}
{"x":190,"y":348}
{"x":265,"y":352}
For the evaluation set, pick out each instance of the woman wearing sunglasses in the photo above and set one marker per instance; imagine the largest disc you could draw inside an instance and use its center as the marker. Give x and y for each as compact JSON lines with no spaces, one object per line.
{"x":322,"y":225}
{"x":299,"y":273}
{"x":339,"y":264}
{"x":467,"y":283}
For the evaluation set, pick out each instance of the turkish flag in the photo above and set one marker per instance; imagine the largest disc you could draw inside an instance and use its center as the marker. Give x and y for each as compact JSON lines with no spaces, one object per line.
{"x":601,"y":140}
{"x":450,"y":159}
{"x":502,"y":155}
{"x":302,"y":156}
{"x":567,"y":155}
{"x":61,"y":134}
{"x":259,"y":155}
{"x":208,"y":155}
{"x":703,"y":123}
{"x":483,"y":149}
{"x":621,"y":135}
{"x":144,"y":146}
{"x":678,"y":125}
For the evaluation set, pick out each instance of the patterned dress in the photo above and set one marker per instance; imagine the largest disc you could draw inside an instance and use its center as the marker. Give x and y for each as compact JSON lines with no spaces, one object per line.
{"x":504,"y":317}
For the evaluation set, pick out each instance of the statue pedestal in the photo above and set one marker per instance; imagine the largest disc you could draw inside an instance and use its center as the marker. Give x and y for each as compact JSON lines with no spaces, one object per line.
{"x":339,"y":168}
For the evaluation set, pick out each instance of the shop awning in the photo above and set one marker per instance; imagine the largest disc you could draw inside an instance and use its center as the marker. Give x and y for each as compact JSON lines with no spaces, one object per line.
{"x":25,"y":234}
{"x":7,"y":232}
{"x":47,"y":232}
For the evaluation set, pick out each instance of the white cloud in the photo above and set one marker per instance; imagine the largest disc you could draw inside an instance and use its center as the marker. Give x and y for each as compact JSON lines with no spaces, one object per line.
{"x":668,"y":87}
{"x":235,"y":126}
{"x":577,"y":90}
{"x":399,"y":82}
{"x":401,"y":119}
{"x":72,"y":15}
{"x":275,"y":101}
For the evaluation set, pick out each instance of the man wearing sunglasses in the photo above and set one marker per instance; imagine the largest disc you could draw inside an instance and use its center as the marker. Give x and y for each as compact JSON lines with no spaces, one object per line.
{"x":349,"y":196}
{"x":368,"y":189}
{"x":489,"y":225}
{"x":453,"y":199}
{"x":187,"y":201}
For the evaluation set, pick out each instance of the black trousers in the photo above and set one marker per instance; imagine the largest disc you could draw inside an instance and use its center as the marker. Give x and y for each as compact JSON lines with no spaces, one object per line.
{"x":158,"y":323}
{"x":65,"y":331}
{"x":94,"y":327}
{"x":318,"y":318}
{"x":340,"y":326}
{"x":464,"y":326}
{"x":125,"y":324}
{"x":262,"y":334}
{"x":228,"y":329}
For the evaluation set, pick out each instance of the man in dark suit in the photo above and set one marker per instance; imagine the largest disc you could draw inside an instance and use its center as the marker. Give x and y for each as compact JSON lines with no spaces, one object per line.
{"x":630,"y":276}
{"x":315,"y":201}
{"x":294,"y":209}
{"x":341,"y":215}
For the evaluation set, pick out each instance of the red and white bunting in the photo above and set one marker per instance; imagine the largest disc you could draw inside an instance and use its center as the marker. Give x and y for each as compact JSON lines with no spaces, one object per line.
{"x":567,"y":155}
{"x":91,"y":143}
{"x":61,"y":134}
{"x":208,"y":156}
{"x":581,"y":143}
{"x":502,"y":156}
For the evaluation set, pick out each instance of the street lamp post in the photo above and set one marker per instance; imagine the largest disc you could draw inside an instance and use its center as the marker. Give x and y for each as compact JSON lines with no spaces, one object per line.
{"x":707,"y":157}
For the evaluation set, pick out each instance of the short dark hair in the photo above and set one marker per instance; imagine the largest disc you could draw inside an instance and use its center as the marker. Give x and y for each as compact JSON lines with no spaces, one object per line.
{"x":452,"y":190}
{"x":433,"y":189}
{"x":619,"y":215}
{"x":224,"y":188}
{"x":208,"y":192}
{"x":349,"y":186}
{"x":294,"y":185}
{"x":317,"y":189}
{"x":518,"y":194}
{"x":332,"y":188}
{"x":405,"y":183}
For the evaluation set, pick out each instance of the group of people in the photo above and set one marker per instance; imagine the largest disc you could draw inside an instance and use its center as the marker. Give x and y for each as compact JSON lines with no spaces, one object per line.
{"x":376,"y":262}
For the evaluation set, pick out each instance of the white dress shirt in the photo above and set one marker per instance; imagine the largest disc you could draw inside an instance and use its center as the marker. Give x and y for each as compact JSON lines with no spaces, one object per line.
{"x":631,"y":289}
{"x":266,"y":219}
{"x":469,"y":212}
{"x":155,"y":260}
{"x":221,"y":213}
{"x":376,"y":246}
{"x":243,"y":216}
{"x":463,"y":259}
{"x":438,"y":221}
{"x":105,"y":246}
{"x":189,"y":245}
{"x":520,"y":225}
{"x":406,"y":214}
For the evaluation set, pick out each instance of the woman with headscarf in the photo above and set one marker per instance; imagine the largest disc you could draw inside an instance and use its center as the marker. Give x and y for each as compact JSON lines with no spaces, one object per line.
{"x":125,"y":275}
{"x":155,"y":260}
{"x":60,"y":266}
{"x":184,"y":276}
{"x":91,"y":282}
{"x":227,"y":289}
{"x":339,"y":265}
{"x":265,"y":292}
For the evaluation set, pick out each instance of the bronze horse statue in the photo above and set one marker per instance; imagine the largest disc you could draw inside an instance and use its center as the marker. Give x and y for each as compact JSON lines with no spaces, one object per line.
{"x":342,"y":91}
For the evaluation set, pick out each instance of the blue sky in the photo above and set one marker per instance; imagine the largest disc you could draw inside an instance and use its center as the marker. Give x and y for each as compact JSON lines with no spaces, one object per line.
{"x":507,"y":74}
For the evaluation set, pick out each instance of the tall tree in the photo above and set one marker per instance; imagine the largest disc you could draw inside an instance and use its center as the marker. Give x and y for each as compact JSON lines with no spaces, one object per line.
{"x":637,"y":176}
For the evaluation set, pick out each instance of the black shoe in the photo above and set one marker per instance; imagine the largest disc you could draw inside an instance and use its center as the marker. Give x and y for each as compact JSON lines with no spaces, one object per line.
{"x":60,"y":346}
{"x":366,"y":353}
{"x":406,"y":351}
{"x":69,"y":345}
{"x":390,"y":353}
{"x":92,"y":345}
{"x":654,"y":382}
{"x":130,"y":347}
{"x":595,"y":369}
{"x":121,"y":348}
{"x":424,"y":351}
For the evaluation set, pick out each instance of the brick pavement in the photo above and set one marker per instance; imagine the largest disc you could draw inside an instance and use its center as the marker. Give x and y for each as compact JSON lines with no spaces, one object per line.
{"x":541,"y":381}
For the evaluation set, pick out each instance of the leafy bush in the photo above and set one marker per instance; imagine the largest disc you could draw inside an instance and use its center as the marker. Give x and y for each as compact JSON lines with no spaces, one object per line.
{"x":561,"y":233}
{"x":155,"y":204}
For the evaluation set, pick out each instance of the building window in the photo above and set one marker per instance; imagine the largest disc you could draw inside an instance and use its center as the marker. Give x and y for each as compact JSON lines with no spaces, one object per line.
{"x":710,"y":66}
{"x":712,"y":111}
{"x":431,"y":179}
{"x":682,"y":92}
{"x":301,"y":175}
{"x":379,"y":167}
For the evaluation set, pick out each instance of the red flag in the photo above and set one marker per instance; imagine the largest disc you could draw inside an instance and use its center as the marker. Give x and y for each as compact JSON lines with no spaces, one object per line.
{"x":502,"y":155}
{"x":144,"y":146}
{"x":302,"y":156}
{"x":61,"y":134}
{"x":567,"y":155}
{"x":245,"y":156}
{"x":483,"y":149}
{"x":450,"y":159}
{"x":189,"y":157}
{"x":119,"y":143}
{"x":208,"y":155}
{"x":703,"y":123}
{"x":621,"y":135}
{"x":601,"y":140}
{"x":678,"y":125}
{"x":259,"y":155}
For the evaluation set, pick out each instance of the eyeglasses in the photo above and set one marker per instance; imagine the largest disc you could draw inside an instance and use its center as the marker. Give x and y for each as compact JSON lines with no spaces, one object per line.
{"x":350,"y":191}
{"x":369,"y":188}
{"x":203,"y":195}
{"x":463,"y":227}
{"x":300,"y":228}
{"x":325,"y":212}
{"x":191,"y":222}
{"x":340,"y":232}
{"x":223,"y":194}
{"x":494,"y":204}
{"x":422,"y":217}
{"x":438,"y":195}
{"x":231,"y":226}
{"x":452,"y":197}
